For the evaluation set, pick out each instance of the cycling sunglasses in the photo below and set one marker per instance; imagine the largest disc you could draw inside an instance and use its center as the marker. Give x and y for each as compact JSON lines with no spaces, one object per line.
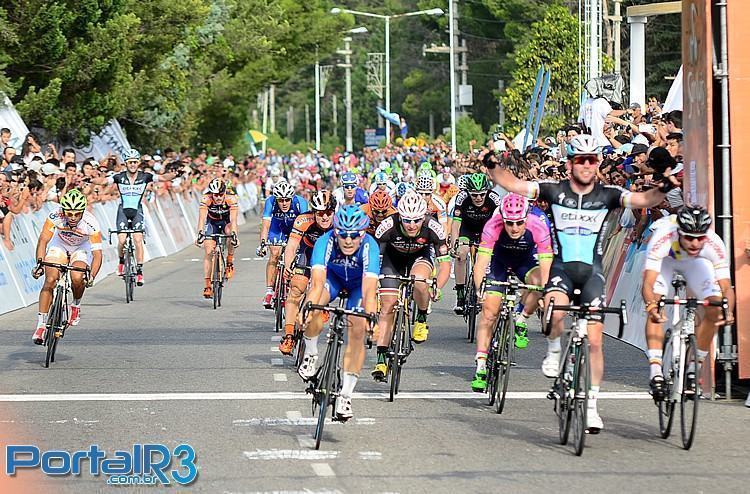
{"x":515,"y":223}
{"x":350,"y":187}
{"x":477,"y":195}
{"x":283,"y":199}
{"x":379,"y":212}
{"x":691,"y":236}
{"x":588,"y":158}
{"x":326,"y":212}
{"x":346,"y":234}
{"x":72,"y":213}
{"x":411,"y":222}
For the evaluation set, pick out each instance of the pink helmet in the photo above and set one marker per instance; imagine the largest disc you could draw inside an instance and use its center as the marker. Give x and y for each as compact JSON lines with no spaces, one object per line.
{"x":514,"y":207}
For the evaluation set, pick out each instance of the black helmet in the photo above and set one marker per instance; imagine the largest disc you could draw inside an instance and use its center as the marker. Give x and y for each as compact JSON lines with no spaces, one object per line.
{"x":693,"y":220}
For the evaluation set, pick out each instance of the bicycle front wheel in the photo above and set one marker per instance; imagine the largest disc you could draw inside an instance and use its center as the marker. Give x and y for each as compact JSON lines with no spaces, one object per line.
{"x":493,"y":367}
{"x":691,"y":393}
{"x":666,"y":406}
{"x":54,"y":323}
{"x":397,"y":348}
{"x":505,"y":361}
{"x":128,"y":277}
{"x":582,"y":384}
{"x":325,"y":387}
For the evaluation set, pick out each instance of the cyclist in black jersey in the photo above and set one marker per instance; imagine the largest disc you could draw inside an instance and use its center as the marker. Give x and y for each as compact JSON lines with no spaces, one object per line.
{"x":473,"y":209}
{"x":579,"y":210}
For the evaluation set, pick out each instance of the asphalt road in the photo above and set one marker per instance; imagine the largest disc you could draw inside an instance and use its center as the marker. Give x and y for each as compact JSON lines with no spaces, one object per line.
{"x":169,"y":369}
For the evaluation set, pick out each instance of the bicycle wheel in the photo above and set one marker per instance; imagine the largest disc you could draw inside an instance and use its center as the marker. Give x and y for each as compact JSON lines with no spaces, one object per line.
{"x":299,"y":347}
{"x":582,"y":384}
{"x":54,"y":322}
{"x":507,"y":343}
{"x":132,"y":277}
{"x":666,"y":406}
{"x":325,"y":388}
{"x":126,"y":278}
{"x":397,"y":348}
{"x":493,"y":365}
{"x":215,"y":278}
{"x":691,"y":393}
{"x":278,"y":298}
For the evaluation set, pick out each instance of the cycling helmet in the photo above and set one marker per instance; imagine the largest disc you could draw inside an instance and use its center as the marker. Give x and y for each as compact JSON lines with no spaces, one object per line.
{"x":131,"y":154}
{"x":425,"y":183}
{"x":425,"y":166}
{"x":73,"y":200}
{"x":693,"y":220}
{"x":348,"y":178}
{"x":217,"y":186}
{"x":584,"y":144}
{"x":350,"y":218}
{"x":412,"y":206}
{"x":381,"y":178}
{"x":323,"y":200}
{"x":477,"y":182}
{"x":283,"y":190}
{"x":461,"y":182}
{"x":514,"y":207}
{"x":402,"y":187}
{"x":380,"y":200}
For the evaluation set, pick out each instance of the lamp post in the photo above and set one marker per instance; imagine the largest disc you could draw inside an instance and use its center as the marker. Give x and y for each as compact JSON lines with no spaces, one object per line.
{"x":387,"y":19}
{"x":347,"y":65}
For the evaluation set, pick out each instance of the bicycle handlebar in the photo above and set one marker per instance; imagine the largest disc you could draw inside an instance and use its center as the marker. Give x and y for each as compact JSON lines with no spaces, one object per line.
{"x":63,"y":267}
{"x":371,"y":317}
{"x":582,"y":311}
{"x":408,"y":279}
{"x":512,"y":284}
{"x":694,"y":303}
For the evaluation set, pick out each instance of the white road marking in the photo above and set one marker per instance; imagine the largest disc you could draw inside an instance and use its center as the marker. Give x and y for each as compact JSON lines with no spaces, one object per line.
{"x":280,"y":378}
{"x":276,"y":337}
{"x":370,"y":455}
{"x":322,"y":469}
{"x":293,"y":414}
{"x":246,"y":259}
{"x":275,"y":349}
{"x":193,"y":260}
{"x":290,"y":454}
{"x":258,"y":258}
{"x":282,"y":395}
{"x":277,"y":361}
{"x":292,"y":421}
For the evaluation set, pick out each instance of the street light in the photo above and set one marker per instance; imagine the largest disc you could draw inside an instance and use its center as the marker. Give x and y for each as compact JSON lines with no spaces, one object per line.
{"x":347,"y":65}
{"x":387,"y":19}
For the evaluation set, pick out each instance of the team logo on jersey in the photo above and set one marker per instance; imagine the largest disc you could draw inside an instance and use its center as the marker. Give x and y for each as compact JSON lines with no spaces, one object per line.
{"x":570,"y":202}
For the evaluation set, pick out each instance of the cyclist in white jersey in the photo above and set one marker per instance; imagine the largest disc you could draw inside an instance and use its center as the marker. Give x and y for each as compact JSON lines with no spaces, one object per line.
{"x":683,"y":243}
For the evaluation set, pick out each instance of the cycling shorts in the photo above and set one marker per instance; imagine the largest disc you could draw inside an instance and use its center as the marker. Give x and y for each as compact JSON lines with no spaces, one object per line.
{"x":698,"y":272}
{"x":276,"y":235}
{"x":214,"y":227}
{"x":335,"y":284}
{"x":302,"y":261}
{"x":473,"y":236}
{"x":499,"y":269}
{"x":589,"y":279}
{"x":401,"y":265}
{"x":124,"y":215}
{"x":60,"y":252}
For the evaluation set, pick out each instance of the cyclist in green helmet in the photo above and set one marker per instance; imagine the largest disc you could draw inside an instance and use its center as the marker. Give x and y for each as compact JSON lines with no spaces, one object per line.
{"x":70,"y":235}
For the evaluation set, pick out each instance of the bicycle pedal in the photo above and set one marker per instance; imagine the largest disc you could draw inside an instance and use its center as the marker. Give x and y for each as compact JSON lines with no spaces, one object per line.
{"x":59,"y":334}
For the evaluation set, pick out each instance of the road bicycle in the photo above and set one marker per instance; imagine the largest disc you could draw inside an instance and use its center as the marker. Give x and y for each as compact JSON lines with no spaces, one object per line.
{"x":401,"y":344}
{"x":325,"y":385}
{"x":280,"y":287}
{"x":502,"y":350}
{"x":218,"y":264}
{"x":57,"y":317}
{"x":680,"y":364}
{"x":570,"y":390}
{"x":130,"y":269}
{"x":472,"y":306}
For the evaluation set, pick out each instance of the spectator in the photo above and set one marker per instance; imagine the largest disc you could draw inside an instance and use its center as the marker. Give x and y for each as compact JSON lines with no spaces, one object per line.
{"x":636,"y":115}
{"x":31,"y":147}
{"x":5,"y":136}
{"x":654,"y":108}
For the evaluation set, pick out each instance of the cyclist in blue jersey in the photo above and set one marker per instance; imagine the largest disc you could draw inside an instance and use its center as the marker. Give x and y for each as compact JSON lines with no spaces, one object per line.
{"x":350,"y":192}
{"x":580,"y":206}
{"x":345,"y":258}
{"x":279,"y":213}
{"x":131,"y":184}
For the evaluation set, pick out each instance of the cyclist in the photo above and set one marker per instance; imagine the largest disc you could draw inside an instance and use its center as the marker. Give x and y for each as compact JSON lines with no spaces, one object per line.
{"x":401,"y":189}
{"x":411,"y":241}
{"x":473,"y":209}
{"x":350,"y":192}
{"x":217,"y":214}
{"x":70,"y":234}
{"x":378,"y":208}
{"x":132,"y":183}
{"x":279,"y":213}
{"x":684,"y":243}
{"x":435,"y":205}
{"x":383,"y":182}
{"x":579,"y":206}
{"x":307,"y":229}
{"x":344,"y":259}
{"x":517,"y":241}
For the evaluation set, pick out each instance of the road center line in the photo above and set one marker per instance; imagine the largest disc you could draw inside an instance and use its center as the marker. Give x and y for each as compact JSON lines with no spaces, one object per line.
{"x":280,"y":378}
{"x":322,"y":469}
{"x":281,"y":395}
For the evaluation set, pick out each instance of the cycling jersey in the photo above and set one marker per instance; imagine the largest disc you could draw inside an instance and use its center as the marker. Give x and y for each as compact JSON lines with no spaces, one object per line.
{"x":346,"y":272}
{"x":87,"y":229}
{"x":430,"y":239}
{"x":131,"y":193}
{"x":579,"y":221}
{"x":360,"y":196}
{"x":437,"y":208}
{"x":216,"y":211}
{"x":535,"y":240}
{"x":281,"y":222}
{"x":665,"y":243}
{"x":374,"y":223}
{"x":539,"y":212}
{"x":474,"y":218}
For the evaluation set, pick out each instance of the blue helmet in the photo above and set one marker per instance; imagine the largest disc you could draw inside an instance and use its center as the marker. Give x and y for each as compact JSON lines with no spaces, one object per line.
{"x":348,"y":178}
{"x":350,"y":218}
{"x":381,"y":178}
{"x":131,"y":154}
{"x":402,"y":187}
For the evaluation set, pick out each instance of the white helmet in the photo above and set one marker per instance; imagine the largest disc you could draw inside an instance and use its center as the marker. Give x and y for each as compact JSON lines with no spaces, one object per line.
{"x":412,"y":206}
{"x":283,"y":190}
{"x":584,"y":144}
{"x":275,"y":172}
{"x":425,"y":183}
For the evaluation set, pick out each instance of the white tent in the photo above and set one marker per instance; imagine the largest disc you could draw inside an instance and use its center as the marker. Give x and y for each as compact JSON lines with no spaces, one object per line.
{"x":10,"y":119}
{"x":674,"y":97}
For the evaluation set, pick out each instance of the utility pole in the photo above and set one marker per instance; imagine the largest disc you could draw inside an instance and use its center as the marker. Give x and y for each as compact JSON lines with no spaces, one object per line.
{"x":594,"y":37}
{"x":347,"y":65}
{"x":453,"y":28}
{"x":265,"y":117}
{"x":272,"y":108}
{"x":335,"y":116}
{"x":387,"y":77}
{"x":290,"y":123}
{"x":617,"y":21}
{"x":464,"y":69}
{"x":317,"y":105}
{"x":307,"y":123}
{"x":500,"y":109}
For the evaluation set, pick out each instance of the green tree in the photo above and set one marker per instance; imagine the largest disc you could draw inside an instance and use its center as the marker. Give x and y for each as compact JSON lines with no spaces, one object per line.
{"x":552,"y":41}
{"x":467,"y":129}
